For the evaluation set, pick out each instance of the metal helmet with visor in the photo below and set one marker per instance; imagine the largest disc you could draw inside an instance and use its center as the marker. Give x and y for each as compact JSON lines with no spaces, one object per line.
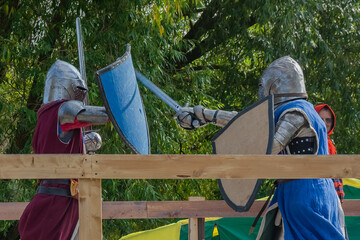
{"x":284,"y":79}
{"x":64,"y":81}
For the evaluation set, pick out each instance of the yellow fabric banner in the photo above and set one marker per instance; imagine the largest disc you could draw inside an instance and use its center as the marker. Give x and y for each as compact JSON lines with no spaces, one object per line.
{"x":354,"y":182}
{"x":169,"y":232}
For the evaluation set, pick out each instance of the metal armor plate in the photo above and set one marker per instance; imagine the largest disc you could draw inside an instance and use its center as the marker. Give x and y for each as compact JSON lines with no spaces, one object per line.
{"x":120,"y":93}
{"x":251,"y":131}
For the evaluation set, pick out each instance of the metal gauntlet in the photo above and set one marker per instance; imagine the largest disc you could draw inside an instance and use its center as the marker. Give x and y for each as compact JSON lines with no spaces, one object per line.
{"x":92,"y":141}
{"x":199,"y":116}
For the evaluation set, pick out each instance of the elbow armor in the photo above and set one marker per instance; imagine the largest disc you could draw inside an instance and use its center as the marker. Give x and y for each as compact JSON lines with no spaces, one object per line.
{"x":69,"y":110}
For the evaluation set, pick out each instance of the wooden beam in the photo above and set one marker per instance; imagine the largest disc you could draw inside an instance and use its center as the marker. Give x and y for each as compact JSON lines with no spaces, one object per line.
{"x":166,"y":209}
{"x":225,"y":166}
{"x":178,"y":166}
{"x":90,"y":211}
{"x":126,"y":210}
{"x":189,"y":209}
{"x":195,"y":231}
{"x":12,"y":210}
{"x":43,"y":166}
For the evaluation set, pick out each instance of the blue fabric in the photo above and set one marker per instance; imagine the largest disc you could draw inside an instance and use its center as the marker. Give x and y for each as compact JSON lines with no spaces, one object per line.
{"x":316,"y":122}
{"x":309,"y":207}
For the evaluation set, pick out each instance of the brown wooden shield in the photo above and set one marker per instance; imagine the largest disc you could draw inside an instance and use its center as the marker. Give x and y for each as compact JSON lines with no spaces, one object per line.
{"x":251,"y":131}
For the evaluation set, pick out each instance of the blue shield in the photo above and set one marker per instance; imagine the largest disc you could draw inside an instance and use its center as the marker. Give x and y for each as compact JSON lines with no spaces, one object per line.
{"x":122,"y":100}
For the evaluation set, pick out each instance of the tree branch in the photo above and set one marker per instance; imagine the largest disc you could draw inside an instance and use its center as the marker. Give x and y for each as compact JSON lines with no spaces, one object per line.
{"x":213,"y":40}
{"x":205,"y":22}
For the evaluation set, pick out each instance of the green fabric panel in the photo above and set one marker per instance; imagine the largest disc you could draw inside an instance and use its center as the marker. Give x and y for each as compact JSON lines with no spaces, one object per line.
{"x":351,"y":192}
{"x":237,"y":228}
{"x":229,"y":229}
{"x":353,"y":227}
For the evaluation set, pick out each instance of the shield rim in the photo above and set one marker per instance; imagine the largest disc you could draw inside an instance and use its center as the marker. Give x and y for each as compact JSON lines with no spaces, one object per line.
{"x":98,"y":74}
{"x":251,"y":200}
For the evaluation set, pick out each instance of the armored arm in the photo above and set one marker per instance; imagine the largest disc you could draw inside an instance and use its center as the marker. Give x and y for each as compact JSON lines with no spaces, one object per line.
{"x":292,"y":123}
{"x":71,"y":110}
{"x":199,"y":116}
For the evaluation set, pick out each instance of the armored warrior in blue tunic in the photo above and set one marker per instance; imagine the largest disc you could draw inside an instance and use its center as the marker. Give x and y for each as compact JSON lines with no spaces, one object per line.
{"x":302,"y":208}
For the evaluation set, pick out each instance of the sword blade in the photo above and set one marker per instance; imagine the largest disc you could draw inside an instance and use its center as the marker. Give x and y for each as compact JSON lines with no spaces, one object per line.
{"x":158,"y":92}
{"x":82,"y":70}
{"x":81,"y":55}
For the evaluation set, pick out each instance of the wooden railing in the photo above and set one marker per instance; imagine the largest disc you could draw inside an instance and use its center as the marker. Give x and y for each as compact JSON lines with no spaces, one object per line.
{"x":90,"y":169}
{"x":167,"y":209}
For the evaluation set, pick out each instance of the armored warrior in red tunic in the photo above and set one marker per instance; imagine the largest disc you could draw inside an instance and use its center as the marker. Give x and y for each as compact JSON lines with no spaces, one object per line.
{"x":53,"y":212}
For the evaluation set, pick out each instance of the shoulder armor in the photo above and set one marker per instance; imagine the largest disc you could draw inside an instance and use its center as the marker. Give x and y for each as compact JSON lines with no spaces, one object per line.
{"x":69,"y":110}
{"x":289,"y":125}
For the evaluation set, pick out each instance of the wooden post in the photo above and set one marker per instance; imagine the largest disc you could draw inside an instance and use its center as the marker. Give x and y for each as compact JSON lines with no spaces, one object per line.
{"x":90,"y":209}
{"x":196,"y":225}
{"x":201,"y":228}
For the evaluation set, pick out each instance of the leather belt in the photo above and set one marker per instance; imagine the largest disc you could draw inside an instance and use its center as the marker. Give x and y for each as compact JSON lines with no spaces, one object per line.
{"x":55,"y":190}
{"x":55,"y":181}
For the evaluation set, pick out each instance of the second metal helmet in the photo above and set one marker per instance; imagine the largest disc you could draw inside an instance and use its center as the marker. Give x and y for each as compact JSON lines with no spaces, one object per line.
{"x":284,"y":79}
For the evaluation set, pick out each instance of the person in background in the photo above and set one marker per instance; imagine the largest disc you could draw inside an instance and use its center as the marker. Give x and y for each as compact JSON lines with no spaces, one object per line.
{"x":328,"y":116}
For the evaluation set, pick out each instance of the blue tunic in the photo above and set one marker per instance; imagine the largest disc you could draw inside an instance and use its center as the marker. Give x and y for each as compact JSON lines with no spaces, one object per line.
{"x":309,"y":207}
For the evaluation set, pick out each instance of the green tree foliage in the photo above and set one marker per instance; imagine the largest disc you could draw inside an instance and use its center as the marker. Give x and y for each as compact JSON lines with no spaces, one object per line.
{"x":209,"y":52}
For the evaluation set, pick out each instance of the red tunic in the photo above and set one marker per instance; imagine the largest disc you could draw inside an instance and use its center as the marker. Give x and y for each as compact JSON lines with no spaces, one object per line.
{"x":51,"y":216}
